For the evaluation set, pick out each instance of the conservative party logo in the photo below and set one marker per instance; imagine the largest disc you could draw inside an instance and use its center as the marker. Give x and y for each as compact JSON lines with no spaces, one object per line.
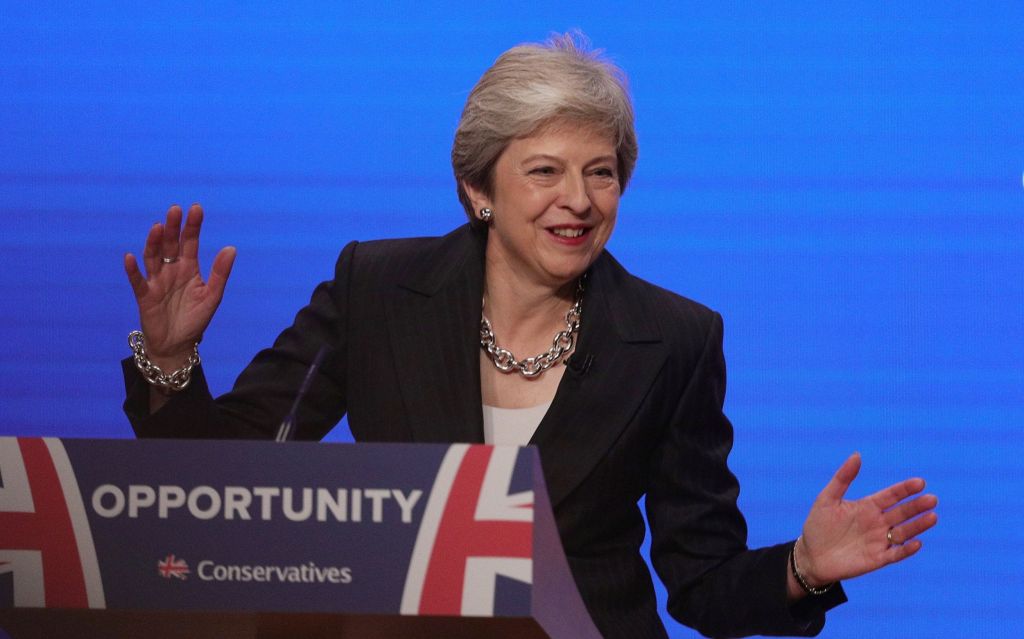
{"x":172,"y":567}
{"x":46,"y":549}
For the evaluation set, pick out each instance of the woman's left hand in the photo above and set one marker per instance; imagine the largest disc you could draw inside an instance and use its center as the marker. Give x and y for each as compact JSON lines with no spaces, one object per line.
{"x":844,"y":539}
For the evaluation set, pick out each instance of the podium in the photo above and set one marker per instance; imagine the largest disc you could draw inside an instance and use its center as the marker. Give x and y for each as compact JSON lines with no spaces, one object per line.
{"x":156,"y":538}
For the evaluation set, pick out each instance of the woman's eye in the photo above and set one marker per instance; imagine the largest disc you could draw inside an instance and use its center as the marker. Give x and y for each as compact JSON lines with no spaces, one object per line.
{"x":604,"y":172}
{"x":543,"y":170}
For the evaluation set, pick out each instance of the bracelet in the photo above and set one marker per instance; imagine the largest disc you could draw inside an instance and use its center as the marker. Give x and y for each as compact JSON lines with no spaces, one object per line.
{"x":176,"y":381}
{"x":800,"y":579}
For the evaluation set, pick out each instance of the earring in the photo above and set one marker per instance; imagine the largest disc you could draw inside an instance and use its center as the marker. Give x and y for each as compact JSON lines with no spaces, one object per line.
{"x":486,"y":215}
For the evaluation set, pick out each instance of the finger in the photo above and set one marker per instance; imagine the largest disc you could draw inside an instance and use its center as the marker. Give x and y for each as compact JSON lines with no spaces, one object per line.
{"x":172,"y":229}
{"x":910,"y":509}
{"x":151,"y":254}
{"x":889,"y":497}
{"x":190,"y":234}
{"x":899,"y":553}
{"x":906,"y":532}
{"x":840,"y":482}
{"x":221,"y":270}
{"x":131,"y":267}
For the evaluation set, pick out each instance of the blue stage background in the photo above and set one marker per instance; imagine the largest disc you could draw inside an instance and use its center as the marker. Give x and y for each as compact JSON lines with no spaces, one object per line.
{"x":843,"y":184}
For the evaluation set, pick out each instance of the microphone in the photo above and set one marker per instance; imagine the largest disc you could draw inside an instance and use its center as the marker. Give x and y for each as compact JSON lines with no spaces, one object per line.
{"x":580,"y":366}
{"x":287,"y":428}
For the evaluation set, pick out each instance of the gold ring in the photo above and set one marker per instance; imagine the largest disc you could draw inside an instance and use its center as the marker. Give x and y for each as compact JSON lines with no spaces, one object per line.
{"x":169,"y":260}
{"x":888,"y":537}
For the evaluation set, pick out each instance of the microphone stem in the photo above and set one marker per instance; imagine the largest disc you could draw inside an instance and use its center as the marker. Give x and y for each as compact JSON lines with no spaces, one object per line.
{"x":287,"y":428}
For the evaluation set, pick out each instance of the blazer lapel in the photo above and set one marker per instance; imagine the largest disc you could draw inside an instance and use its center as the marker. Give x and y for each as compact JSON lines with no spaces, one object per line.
{"x":434,"y":324}
{"x":617,"y":358}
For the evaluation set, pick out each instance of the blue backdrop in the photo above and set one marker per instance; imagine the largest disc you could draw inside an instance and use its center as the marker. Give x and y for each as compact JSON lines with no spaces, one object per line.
{"x":852,"y":175}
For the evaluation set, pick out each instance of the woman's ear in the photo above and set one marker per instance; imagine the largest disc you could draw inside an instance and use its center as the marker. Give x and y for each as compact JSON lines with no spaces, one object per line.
{"x":476,"y":198}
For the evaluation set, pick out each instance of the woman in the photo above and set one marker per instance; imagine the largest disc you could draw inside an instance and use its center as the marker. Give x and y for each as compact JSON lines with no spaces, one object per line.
{"x":429,"y":341}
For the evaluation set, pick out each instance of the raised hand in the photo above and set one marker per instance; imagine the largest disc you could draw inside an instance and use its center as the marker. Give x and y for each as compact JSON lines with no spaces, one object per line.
{"x":175,"y":305}
{"x":844,"y":539}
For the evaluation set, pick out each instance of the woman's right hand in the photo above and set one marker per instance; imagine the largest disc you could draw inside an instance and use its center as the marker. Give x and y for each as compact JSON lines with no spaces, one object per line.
{"x":175,"y":305}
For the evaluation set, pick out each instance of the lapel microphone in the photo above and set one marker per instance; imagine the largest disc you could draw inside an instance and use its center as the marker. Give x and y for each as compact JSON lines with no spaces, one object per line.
{"x":578,"y":365}
{"x":287,"y":428}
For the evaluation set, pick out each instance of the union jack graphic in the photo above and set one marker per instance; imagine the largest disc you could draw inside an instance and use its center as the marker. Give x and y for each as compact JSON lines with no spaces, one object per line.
{"x":173,"y":567}
{"x":46,"y":549}
{"x":473,"y":530}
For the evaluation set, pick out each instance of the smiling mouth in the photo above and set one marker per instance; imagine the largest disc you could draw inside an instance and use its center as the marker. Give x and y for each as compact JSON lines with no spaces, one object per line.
{"x":568,"y":233}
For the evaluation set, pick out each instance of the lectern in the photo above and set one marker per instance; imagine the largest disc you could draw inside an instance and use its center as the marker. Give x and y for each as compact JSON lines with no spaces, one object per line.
{"x":175,"y":538}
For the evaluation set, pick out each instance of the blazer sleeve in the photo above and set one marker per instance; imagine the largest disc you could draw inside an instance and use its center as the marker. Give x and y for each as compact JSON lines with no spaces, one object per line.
{"x":264,"y":392}
{"x":715,"y":583}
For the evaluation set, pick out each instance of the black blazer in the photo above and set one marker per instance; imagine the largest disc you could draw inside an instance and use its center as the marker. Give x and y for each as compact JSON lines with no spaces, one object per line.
{"x":638,"y":411}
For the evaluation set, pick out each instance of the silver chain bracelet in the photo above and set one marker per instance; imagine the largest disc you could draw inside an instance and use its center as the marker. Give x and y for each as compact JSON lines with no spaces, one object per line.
{"x":801,"y":580}
{"x":177,"y":380}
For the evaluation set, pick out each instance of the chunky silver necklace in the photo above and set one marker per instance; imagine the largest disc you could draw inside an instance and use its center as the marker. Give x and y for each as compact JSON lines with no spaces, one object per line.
{"x":563,"y":343}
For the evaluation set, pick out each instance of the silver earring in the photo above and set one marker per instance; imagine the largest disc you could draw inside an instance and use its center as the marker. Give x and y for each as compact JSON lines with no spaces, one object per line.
{"x":486,"y":215}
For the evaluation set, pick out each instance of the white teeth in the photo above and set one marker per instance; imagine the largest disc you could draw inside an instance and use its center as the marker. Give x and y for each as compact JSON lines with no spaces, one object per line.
{"x":567,"y":232}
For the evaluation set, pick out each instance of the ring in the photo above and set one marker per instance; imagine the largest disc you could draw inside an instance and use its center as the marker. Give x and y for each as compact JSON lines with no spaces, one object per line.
{"x":888,"y":537}
{"x":168,"y":260}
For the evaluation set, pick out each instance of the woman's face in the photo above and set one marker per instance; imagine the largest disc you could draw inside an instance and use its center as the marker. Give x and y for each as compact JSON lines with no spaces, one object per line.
{"x":555,"y":198}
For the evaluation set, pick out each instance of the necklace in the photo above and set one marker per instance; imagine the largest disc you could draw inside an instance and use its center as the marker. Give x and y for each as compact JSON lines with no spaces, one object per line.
{"x":563,"y":343}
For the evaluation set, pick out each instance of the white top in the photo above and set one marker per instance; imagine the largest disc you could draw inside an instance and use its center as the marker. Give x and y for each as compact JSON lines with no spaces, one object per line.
{"x":512,"y":426}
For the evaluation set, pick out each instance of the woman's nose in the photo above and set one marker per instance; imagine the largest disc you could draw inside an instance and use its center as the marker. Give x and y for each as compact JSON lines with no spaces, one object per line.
{"x":575,"y":196}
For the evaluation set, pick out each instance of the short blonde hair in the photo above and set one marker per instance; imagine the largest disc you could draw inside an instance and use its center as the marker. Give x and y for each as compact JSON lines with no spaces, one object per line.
{"x":531,"y":86}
